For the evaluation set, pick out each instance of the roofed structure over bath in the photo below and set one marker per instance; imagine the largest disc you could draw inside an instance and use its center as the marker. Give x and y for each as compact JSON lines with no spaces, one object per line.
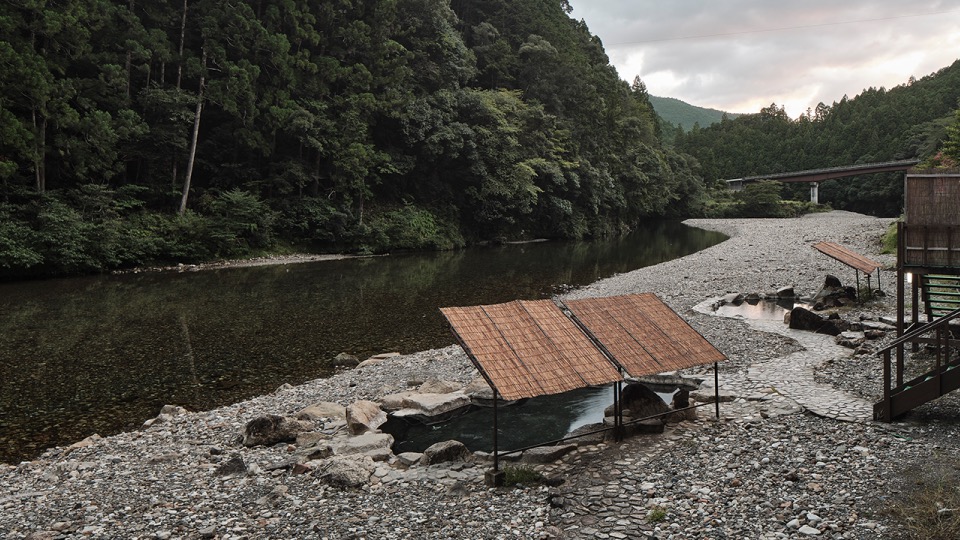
{"x":643,"y":335}
{"x":531,"y":348}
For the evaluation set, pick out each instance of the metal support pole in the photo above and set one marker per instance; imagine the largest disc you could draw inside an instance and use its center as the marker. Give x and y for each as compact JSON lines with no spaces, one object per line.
{"x":857,"y":273}
{"x":716,"y":389}
{"x":915,"y":308}
{"x":496,"y":454}
{"x":617,"y":412}
{"x":494,"y":478}
{"x":886,"y":388}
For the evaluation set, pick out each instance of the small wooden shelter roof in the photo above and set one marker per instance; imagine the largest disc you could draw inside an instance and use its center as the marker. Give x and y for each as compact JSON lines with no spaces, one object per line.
{"x":643,"y":334}
{"x":847,"y":257}
{"x":531,"y":348}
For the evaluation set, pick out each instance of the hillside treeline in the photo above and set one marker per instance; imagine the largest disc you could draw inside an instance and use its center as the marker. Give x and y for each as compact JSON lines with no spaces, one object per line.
{"x":136,"y":131}
{"x":906,"y":122}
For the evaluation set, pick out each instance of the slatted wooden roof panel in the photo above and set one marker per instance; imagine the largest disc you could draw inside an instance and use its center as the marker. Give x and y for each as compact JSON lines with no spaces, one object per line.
{"x":847,"y":257}
{"x":643,"y":334}
{"x":529,"y":348}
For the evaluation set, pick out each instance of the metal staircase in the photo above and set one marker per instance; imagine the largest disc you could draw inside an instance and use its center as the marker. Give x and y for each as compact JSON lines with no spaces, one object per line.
{"x":943,"y":378}
{"x":941,"y":294}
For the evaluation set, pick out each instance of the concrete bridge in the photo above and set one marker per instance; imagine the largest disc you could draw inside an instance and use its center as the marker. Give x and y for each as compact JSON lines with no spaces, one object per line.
{"x":815,"y":176}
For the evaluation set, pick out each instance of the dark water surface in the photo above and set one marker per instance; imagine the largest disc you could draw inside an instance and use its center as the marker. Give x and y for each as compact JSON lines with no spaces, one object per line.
{"x":102,"y":354}
{"x":533,"y":421}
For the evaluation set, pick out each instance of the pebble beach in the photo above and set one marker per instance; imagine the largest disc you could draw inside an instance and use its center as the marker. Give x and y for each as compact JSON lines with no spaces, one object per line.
{"x":794,"y":453}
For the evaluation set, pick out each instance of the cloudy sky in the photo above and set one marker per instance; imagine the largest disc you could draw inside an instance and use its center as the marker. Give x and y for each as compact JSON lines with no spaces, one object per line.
{"x":741,"y":55}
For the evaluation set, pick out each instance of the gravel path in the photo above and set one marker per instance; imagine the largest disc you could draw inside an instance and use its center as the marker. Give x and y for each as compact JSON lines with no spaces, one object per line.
{"x":765,"y":469}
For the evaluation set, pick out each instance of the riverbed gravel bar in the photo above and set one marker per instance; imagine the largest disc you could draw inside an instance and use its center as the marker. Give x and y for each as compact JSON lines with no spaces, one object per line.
{"x":772,"y":466}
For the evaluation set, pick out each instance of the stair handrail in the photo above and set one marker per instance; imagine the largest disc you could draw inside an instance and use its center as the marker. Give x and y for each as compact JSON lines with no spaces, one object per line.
{"x":919,"y":331}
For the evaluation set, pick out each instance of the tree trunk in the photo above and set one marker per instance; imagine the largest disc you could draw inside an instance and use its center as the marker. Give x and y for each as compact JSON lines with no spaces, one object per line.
{"x":39,"y":161}
{"x":128,"y":66}
{"x":183,"y":34}
{"x":193,"y":140}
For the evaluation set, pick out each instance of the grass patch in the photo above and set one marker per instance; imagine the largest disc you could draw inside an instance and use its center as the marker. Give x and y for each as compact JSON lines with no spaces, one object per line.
{"x":656,"y":514}
{"x":521,"y":474}
{"x":929,"y":507}
{"x":889,"y":240}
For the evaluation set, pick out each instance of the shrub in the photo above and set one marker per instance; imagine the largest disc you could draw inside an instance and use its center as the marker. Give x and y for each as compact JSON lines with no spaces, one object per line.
{"x":927,"y":508}
{"x":313,"y":220}
{"x":18,"y":250}
{"x":760,"y":199}
{"x":410,"y":227}
{"x":656,"y":514}
{"x":239,"y":222}
{"x":521,"y":474}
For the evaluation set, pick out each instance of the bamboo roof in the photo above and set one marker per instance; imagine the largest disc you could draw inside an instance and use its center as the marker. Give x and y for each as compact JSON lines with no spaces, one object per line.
{"x":529,"y":348}
{"x":643,"y":334}
{"x":847,"y":257}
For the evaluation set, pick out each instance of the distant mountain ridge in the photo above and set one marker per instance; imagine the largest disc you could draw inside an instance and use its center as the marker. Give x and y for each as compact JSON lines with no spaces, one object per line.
{"x":685,"y":115}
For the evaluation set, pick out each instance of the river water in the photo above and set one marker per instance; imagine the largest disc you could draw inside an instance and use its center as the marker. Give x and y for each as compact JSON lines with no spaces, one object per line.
{"x":102,"y":354}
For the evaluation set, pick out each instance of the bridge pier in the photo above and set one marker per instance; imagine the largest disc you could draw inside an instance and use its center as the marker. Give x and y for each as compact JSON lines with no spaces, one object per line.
{"x":815,"y":192}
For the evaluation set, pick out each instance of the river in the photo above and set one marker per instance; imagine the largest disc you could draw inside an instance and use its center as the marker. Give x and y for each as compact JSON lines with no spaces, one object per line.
{"x":102,"y":354}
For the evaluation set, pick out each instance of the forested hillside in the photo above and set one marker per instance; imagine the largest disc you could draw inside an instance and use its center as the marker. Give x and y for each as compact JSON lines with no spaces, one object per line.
{"x":143,"y":131}
{"x":684,"y":115}
{"x":905,"y":122}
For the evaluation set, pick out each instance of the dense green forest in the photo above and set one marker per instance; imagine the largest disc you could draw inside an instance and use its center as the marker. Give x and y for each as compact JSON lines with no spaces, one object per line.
{"x":135,"y":132}
{"x":909,"y":121}
{"x":677,"y":115}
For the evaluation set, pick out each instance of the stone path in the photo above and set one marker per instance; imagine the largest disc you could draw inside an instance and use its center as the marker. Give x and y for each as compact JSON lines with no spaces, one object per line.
{"x":792,"y":375}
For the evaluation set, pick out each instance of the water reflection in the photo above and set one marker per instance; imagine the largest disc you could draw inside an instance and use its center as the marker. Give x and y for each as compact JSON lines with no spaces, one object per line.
{"x":770,"y":310}
{"x":536,"y":420}
{"x":102,"y":354}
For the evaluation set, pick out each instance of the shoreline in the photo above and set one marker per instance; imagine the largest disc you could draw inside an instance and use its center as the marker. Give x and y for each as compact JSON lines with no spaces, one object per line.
{"x":272,"y":260}
{"x":109,"y":487}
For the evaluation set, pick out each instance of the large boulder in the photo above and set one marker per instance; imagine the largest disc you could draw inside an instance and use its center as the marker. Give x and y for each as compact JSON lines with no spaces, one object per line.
{"x":478,"y":388}
{"x":445,"y":451}
{"x":833,"y":294}
{"x":432,"y":408}
{"x":547,"y":454}
{"x":377,"y":359}
{"x":804,"y":319}
{"x":368,"y":442}
{"x":786,"y":292}
{"x":345,"y":360}
{"x":436,"y":386}
{"x":639,"y":401}
{"x":272,"y":429}
{"x":394,"y":402}
{"x":322,"y":409}
{"x":347,"y":471}
{"x":363,"y":416}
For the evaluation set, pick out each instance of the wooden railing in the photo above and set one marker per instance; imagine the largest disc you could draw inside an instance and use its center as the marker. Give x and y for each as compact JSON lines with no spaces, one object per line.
{"x":943,"y":378}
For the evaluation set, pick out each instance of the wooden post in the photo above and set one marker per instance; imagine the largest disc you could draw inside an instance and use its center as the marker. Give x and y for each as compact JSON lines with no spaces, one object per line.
{"x":886,"y":388}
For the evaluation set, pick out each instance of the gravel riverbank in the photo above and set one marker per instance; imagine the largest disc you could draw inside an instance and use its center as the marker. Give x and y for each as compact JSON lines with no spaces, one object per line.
{"x":766,"y":469}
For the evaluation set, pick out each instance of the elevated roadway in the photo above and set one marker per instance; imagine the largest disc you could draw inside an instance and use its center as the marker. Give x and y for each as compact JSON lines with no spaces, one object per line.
{"x":815,"y":176}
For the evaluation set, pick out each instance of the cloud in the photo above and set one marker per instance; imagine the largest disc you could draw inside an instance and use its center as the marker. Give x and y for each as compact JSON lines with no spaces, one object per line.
{"x":741,"y":55}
